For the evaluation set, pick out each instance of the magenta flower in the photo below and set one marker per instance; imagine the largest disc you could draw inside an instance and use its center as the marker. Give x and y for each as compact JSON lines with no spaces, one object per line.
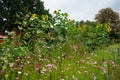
{"x":37,"y":66}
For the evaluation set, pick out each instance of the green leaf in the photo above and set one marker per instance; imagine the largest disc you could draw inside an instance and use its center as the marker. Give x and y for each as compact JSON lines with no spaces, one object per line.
{"x":17,"y":22}
{"x":20,"y":28}
{"x":39,"y":31}
{"x":4,"y":67}
{"x":6,"y":76}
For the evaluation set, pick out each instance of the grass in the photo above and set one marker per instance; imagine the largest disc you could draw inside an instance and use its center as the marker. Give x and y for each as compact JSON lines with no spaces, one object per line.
{"x":68,"y":63}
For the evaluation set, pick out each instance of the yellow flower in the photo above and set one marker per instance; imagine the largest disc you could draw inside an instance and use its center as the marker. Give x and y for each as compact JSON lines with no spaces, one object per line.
{"x":34,"y":15}
{"x":44,"y":17}
{"x":109,"y":29}
{"x":55,"y":12}
{"x":69,"y":20}
{"x":66,"y":14}
{"x":78,"y":27}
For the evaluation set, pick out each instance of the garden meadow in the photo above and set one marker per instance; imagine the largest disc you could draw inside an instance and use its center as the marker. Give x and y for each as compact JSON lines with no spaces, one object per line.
{"x":68,"y":51}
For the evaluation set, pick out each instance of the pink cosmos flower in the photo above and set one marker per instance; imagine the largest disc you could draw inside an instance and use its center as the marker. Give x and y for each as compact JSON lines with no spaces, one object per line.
{"x":6,"y":61}
{"x":95,"y":62}
{"x":104,"y":71}
{"x":113,"y":62}
{"x":43,"y":71}
{"x":16,"y":78}
{"x":49,"y":66}
{"x":94,"y":77}
{"x":37,"y":67}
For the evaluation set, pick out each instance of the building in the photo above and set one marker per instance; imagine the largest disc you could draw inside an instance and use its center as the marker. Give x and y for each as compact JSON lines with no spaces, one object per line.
{"x":3,"y":35}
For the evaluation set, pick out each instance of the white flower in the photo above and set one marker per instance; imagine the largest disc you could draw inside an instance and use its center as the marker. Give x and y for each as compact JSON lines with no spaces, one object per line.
{"x":28,"y":62}
{"x":26,"y":74}
{"x":79,"y":72}
{"x":104,"y":71}
{"x":66,"y":77}
{"x":58,"y":57}
{"x":68,"y":64}
{"x":12,"y":64}
{"x":43,"y":71}
{"x":74,"y":78}
{"x":4,"y":19}
{"x":51,"y":26}
{"x":19,"y":72}
{"x":88,"y":62}
{"x":94,"y":77}
{"x":86,"y":71}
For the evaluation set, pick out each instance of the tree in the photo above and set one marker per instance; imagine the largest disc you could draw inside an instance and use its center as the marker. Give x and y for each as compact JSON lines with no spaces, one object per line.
{"x":107,"y":15}
{"x":9,"y":9}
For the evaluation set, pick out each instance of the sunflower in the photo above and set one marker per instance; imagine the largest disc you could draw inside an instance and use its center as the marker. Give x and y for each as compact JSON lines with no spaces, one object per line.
{"x":34,"y":15}
{"x":66,"y":14}
{"x":109,"y":29}
{"x":55,"y":12}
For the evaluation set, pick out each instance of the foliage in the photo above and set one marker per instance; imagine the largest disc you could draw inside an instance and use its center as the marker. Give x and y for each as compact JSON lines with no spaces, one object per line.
{"x":107,"y":15}
{"x":93,"y":35}
{"x":56,"y":49}
{"x":10,"y":58}
{"x":63,"y":61}
{"x":62,"y":25}
{"x":38,"y":29}
{"x":10,"y":9}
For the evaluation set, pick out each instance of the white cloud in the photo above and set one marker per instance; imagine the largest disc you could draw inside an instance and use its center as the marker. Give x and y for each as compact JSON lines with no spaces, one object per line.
{"x":81,"y":9}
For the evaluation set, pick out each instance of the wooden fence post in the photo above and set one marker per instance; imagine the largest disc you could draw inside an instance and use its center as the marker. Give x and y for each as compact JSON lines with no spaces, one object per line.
{"x":114,"y":55}
{"x":118,"y":51}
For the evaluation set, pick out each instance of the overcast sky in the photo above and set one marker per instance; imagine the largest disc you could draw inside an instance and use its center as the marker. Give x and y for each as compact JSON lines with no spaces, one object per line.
{"x":81,"y":9}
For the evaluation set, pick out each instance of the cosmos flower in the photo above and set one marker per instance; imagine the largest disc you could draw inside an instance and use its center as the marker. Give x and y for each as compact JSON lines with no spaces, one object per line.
{"x":95,"y":62}
{"x":43,"y":71}
{"x":37,"y":67}
{"x":19,"y":72}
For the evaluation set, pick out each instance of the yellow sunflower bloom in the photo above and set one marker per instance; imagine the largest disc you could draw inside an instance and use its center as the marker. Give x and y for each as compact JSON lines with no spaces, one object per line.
{"x":34,"y":15}
{"x":44,"y":17}
{"x":66,"y":14}
{"x":55,"y":12}
{"x":109,"y":29}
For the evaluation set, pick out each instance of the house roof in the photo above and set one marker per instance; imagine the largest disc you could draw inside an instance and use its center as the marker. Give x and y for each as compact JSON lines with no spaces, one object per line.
{"x":3,"y":36}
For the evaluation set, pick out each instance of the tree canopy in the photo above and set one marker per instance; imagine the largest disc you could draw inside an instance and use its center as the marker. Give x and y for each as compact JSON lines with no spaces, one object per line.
{"x":9,"y":9}
{"x":107,"y":15}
